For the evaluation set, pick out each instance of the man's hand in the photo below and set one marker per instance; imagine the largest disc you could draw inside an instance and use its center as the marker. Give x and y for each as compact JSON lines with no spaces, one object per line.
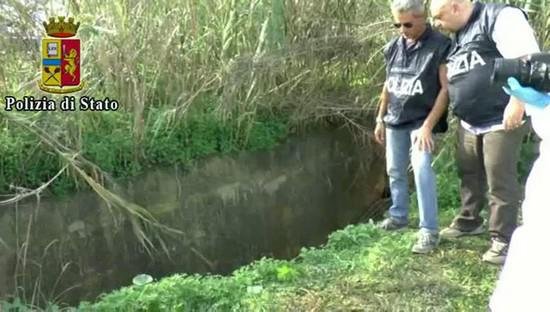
{"x":380,"y":133}
{"x":527,"y":95}
{"x":422,"y":139}
{"x":513,"y":114}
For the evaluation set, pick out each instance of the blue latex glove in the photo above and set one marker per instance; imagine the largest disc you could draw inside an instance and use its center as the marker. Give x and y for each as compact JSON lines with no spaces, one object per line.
{"x":527,"y":95}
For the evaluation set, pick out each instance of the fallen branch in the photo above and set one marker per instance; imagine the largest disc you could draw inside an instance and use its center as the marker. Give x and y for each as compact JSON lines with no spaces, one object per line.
{"x":36,"y":191}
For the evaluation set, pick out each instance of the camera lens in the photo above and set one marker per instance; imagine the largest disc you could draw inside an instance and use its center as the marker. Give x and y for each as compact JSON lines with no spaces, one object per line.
{"x":505,"y":68}
{"x":540,"y":70}
{"x":539,"y":76}
{"x":533,"y":72}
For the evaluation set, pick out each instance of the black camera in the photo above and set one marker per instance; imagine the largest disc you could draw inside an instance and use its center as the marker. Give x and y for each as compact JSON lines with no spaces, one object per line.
{"x":534,"y":71}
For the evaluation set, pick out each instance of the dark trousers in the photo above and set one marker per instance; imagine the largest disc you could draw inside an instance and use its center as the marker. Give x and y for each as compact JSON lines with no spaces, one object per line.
{"x":490,"y":160}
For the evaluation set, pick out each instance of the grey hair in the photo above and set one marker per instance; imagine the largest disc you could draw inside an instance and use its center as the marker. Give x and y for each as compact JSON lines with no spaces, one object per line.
{"x":402,"y":6}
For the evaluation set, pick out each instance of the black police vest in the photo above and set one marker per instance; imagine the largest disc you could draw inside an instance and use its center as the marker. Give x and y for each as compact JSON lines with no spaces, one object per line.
{"x":412,"y":79}
{"x":472,"y":96}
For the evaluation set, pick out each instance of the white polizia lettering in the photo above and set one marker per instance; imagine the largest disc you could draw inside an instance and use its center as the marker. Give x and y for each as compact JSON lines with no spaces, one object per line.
{"x":403,"y":86}
{"x":464,"y":63}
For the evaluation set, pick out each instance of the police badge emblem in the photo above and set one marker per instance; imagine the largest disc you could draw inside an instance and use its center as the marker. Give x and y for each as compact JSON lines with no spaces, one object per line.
{"x":60,"y":66}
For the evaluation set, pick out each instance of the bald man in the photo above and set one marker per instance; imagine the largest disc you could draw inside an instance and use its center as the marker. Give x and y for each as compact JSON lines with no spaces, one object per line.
{"x":492,"y":123}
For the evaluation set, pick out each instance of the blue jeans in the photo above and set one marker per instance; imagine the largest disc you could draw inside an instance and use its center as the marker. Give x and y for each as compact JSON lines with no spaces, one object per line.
{"x":398,"y":150}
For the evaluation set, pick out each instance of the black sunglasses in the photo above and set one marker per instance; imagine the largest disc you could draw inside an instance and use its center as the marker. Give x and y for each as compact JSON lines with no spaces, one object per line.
{"x":406,"y":25}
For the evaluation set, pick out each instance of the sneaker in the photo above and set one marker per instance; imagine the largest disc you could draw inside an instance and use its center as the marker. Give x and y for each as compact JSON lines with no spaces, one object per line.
{"x":426,"y":242}
{"x":389,"y":224}
{"x":453,"y":232}
{"x":497,"y":253}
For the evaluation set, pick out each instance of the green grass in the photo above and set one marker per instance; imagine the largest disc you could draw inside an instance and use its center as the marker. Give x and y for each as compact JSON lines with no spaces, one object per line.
{"x":107,"y":141}
{"x":360,"y":268}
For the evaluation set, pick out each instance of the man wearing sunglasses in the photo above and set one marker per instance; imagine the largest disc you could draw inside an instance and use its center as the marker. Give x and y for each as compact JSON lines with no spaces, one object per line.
{"x":492,"y":123}
{"x":413,"y":105}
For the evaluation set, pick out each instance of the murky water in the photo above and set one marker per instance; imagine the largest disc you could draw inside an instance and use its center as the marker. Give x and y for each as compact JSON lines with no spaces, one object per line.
{"x":231,"y":211}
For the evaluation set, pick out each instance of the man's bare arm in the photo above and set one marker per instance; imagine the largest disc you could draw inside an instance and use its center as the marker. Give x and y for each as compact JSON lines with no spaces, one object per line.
{"x":422,"y":137}
{"x":383,"y":105}
{"x":380,"y":129}
{"x":441,"y":102}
